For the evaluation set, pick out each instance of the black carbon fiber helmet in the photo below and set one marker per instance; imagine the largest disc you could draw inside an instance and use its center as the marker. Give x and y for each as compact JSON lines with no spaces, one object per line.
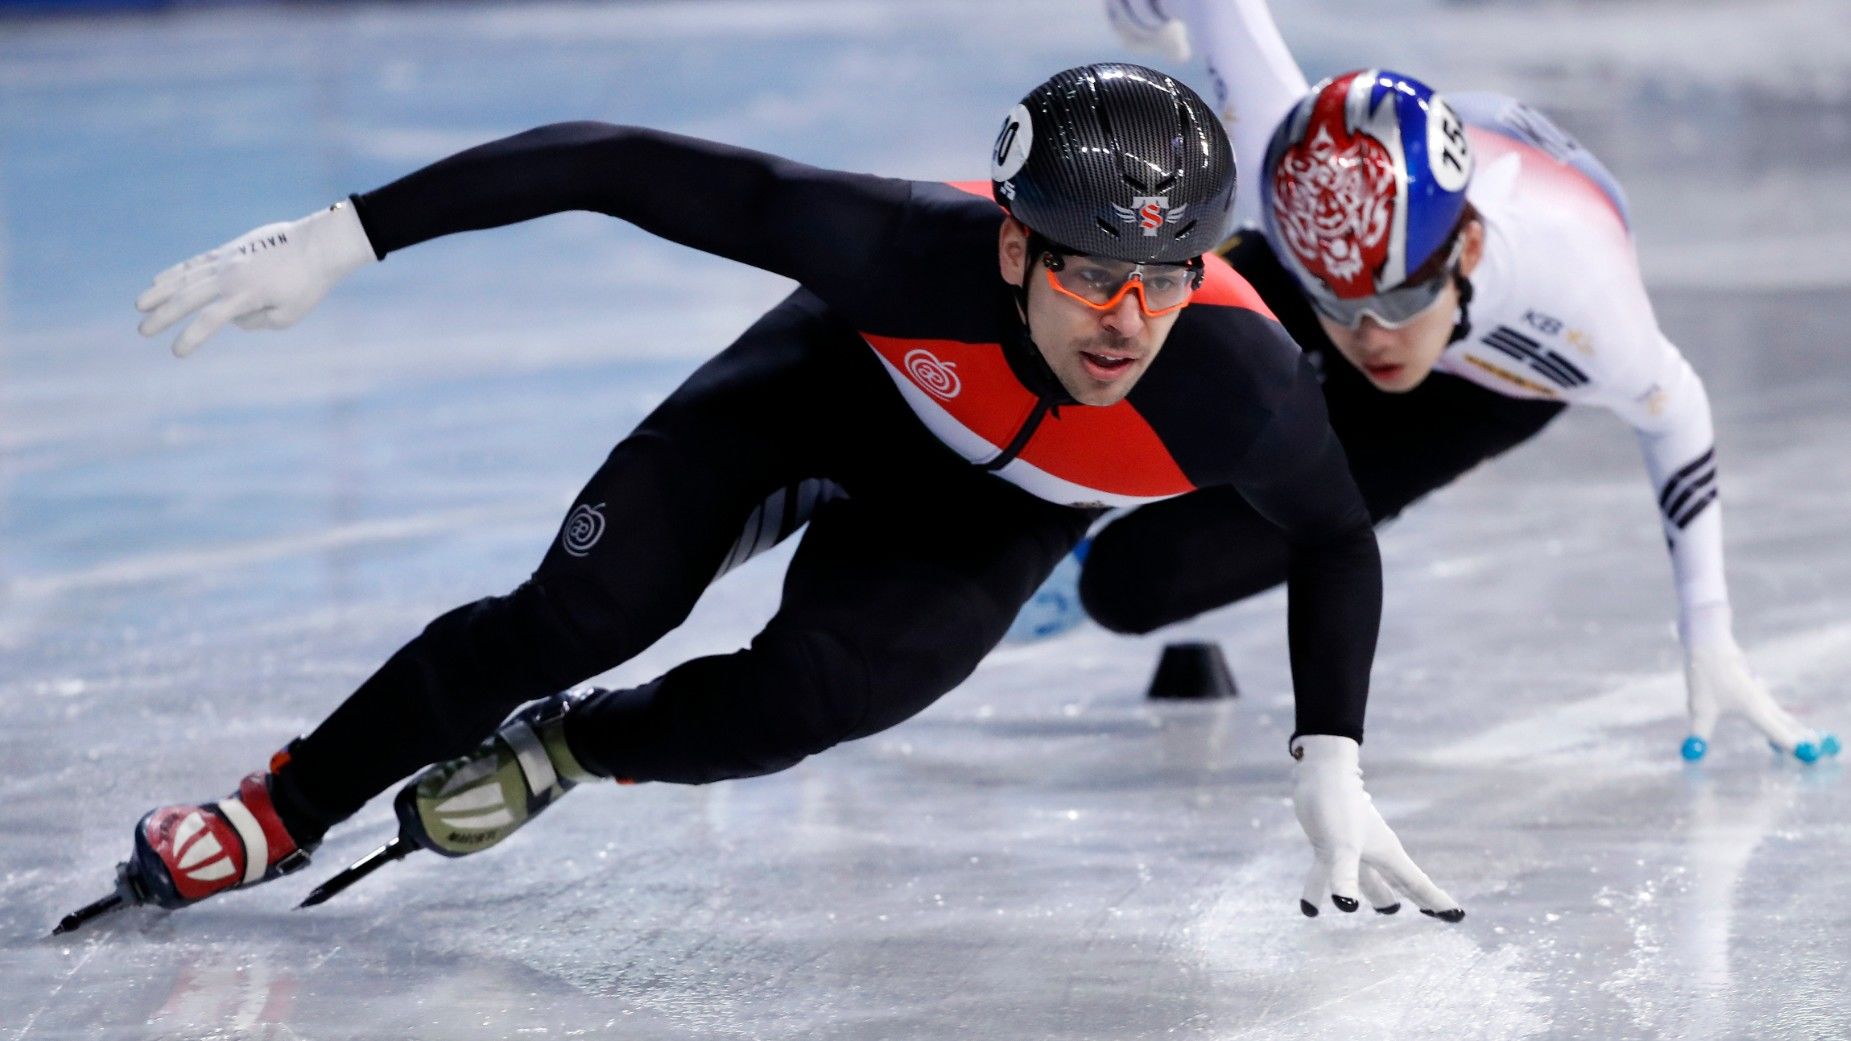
{"x":1119,"y":161}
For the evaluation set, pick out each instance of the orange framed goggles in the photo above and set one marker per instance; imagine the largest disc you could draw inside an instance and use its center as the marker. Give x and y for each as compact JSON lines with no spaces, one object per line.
{"x":1101,"y":284}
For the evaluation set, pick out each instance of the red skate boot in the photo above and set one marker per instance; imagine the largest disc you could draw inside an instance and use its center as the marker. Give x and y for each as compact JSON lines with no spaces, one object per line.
{"x":186,"y":853}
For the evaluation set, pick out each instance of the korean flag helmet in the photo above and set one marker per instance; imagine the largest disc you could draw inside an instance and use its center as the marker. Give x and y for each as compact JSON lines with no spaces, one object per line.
{"x":1364,"y":184}
{"x":1117,"y":161}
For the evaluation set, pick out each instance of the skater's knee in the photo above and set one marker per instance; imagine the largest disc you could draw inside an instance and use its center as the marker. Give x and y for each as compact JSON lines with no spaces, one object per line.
{"x":793,"y":694}
{"x":819,"y":693}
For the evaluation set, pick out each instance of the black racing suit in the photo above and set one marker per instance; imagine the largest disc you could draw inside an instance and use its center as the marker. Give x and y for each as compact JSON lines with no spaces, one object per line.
{"x":1175,"y":559}
{"x":901,"y":372}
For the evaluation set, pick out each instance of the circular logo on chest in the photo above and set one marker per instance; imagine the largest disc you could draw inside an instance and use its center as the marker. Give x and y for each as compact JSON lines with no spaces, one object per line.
{"x":939,"y":378}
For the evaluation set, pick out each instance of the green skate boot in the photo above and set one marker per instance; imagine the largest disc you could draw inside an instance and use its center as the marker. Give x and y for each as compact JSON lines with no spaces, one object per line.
{"x":472,"y":802}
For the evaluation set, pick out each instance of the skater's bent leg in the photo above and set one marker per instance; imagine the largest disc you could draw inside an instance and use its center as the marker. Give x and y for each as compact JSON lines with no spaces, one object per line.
{"x":434,"y":699}
{"x":1172,"y":560}
{"x":605,"y":592}
{"x":877,"y":623}
{"x":792,"y":694}
{"x":649,"y":532}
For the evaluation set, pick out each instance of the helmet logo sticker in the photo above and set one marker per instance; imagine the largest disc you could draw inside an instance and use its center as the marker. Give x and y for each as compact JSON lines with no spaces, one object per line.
{"x":1365,"y":183}
{"x":939,"y":378}
{"x":1334,"y":200}
{"x":583,"y":529}
{"x":1012,"y":144}
{"x":1448,"y":154}
{"x":1149,"y":212}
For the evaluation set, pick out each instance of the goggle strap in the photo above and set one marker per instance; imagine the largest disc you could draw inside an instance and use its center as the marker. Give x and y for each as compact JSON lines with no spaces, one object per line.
{"x":1463,"y":327}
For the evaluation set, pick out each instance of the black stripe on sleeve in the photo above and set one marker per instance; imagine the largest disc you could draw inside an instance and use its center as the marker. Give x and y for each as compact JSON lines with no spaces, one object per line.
{"x":1677,"y":480}
{"x":1705,"y":480}
{"x":1695,"y":508}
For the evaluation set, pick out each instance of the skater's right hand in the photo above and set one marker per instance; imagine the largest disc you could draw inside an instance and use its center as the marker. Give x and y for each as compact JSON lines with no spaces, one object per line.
{"x":1353,"y":849}
{"x":264,"y":279}
{"x":1719,"y":683}
{"x":1145,"y":26}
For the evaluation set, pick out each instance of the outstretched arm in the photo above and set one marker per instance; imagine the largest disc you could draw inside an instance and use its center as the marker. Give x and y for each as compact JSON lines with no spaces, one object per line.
{"x":1581,"y":276}
{"x":823,"y":228}
{"x":1635,"y":371}
{"x":1671,"y":414}
{"x":806,"y":223}
{"x":1301,"y":482}
{"x":1299,"y":479}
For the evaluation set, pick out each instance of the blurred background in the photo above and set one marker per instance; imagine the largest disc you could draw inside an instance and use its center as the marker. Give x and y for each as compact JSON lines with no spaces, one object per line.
{"x":198,"y":560}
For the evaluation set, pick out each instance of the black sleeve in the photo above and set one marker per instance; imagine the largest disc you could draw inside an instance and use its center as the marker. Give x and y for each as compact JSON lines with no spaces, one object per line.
{"x":1299,"y":479}
{"x":823,"y":228}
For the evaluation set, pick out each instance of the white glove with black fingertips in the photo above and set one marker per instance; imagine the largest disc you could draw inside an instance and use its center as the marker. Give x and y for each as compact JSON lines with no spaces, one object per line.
{"x":1354,"y":852}
{"x":1145,"y":26}
{"x":266,"y":278}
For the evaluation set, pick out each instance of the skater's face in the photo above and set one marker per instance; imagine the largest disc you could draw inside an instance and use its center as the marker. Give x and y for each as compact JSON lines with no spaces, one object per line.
{"x":1399,"y":358}
{"x":1098,"y":355}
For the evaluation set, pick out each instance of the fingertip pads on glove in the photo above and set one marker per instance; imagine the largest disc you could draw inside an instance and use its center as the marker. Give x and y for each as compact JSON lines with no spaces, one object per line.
{"x":1354,"y":851}
{"x":1720,"y":683}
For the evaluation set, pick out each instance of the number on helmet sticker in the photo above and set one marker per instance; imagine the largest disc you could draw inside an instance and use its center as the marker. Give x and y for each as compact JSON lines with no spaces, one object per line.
{"x":1448,"y":154}
{"x":1012,"y":144}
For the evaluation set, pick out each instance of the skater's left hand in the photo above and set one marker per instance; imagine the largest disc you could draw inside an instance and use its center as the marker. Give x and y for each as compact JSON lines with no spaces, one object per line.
{"x":266,"y":278}
{"x":1354,"y":850}
{"x":1145,"y":26}
{"x":1719,"y":682}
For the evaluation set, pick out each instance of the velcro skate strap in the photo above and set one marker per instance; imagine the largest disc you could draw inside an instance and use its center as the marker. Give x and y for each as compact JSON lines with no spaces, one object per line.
{"x":251,"y":833}
{"x":254,"y":816}
{"x":536,"y":765}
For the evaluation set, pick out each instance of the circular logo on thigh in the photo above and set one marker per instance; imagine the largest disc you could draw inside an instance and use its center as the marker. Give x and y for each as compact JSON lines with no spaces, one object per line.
{"x":583,"y":529}
{"x":939,"y":378}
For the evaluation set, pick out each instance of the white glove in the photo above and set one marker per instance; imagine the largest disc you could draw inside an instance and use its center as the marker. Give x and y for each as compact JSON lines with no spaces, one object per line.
{"x":1354,"y":850}
{"x":264,"y":279}
{"x":1144,"y":26}
{"x":1717,"y":675}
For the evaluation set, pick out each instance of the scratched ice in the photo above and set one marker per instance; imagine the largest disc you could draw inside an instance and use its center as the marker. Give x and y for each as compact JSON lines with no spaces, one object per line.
{"x":198,"y":559}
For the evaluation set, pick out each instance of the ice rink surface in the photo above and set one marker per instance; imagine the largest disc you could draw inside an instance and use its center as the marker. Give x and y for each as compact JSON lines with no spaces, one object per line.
{"x":199,"y":559}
